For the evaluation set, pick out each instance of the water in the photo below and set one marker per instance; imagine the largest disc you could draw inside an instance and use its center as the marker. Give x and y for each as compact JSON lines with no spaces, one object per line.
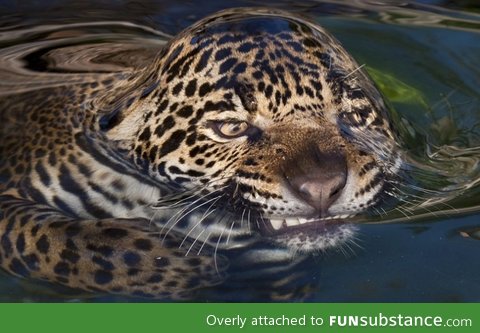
{"x":424,"y":57}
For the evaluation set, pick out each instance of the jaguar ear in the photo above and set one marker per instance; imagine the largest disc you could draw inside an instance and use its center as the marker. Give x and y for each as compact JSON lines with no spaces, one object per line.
{"x":110,"y":119}
{"x":115,"y":106}
{"x":114,"y":113}
{"x":122,"y":122}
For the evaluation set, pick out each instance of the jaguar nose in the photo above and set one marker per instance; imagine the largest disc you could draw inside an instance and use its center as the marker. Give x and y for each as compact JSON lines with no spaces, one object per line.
{"x":320,"y":191}
{"x":318,"y":179}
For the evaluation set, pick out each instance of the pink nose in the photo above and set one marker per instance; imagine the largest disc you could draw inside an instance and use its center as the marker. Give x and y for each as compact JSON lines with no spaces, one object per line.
{"x":318,"y":178}
{"x":321,"y":191}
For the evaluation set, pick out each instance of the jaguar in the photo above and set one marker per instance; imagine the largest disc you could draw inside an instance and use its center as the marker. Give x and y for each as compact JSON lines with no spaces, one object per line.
{"x":251,"y":126}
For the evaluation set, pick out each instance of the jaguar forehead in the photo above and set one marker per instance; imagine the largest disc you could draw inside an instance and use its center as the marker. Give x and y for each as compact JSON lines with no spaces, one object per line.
{"x":267,"y":45}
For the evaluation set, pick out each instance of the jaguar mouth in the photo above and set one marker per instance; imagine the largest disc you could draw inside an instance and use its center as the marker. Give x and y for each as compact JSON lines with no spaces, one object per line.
{"x":281,"y":226}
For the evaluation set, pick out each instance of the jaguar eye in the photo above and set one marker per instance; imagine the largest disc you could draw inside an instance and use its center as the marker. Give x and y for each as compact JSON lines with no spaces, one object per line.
{"x":231,"y":130}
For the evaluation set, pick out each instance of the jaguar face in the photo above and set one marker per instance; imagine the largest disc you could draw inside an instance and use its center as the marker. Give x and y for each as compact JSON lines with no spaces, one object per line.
{"x":272,"y":116}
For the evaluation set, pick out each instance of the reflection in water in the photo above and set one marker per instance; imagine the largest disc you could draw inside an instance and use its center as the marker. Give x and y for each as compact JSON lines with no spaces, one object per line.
{"x":49,"y":56}
{"x":436,"y":51}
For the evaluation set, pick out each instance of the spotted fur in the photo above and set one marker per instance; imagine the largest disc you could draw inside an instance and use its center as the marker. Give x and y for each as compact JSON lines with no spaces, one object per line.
{"x":125,"y":184}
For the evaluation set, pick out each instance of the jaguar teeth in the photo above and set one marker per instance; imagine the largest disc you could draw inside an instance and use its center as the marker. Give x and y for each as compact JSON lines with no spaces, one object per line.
{"x":292,"y":221}
{"x":276,"y":223}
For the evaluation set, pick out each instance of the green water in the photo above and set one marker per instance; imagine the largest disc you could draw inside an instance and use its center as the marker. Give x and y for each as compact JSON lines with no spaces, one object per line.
{"x":426,"y":61}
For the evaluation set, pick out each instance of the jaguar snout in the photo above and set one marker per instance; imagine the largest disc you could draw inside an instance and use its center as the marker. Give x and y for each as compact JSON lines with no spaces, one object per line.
{"x":320,"y":192}
{"x":318,"y":179}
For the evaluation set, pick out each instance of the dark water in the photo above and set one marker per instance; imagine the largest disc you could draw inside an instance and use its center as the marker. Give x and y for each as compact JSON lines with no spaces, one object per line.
{"x":425,"y":57}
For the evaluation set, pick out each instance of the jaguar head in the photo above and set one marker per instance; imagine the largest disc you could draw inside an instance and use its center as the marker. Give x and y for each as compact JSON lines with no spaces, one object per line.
{"x":267,"y":118}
